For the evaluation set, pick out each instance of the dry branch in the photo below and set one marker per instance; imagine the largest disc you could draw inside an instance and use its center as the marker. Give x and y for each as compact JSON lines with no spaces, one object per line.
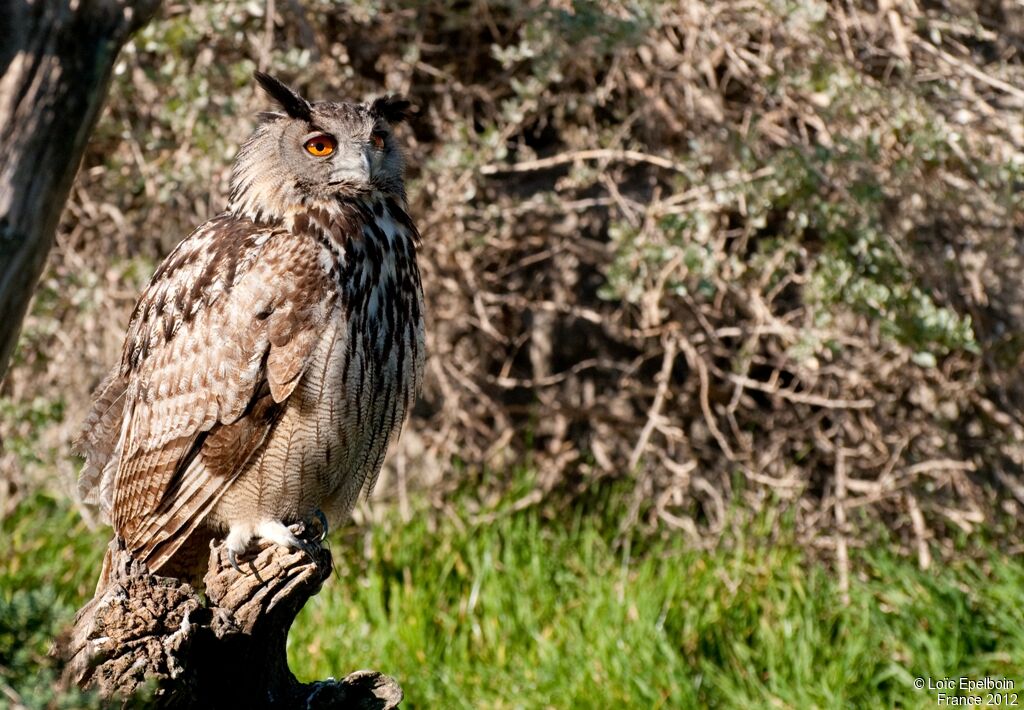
{"x":629,"y":156}
{"x":142,"y":630}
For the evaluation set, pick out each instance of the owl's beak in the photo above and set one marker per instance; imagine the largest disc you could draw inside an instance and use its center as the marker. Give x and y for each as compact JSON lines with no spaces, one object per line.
{"x":351,"y":170}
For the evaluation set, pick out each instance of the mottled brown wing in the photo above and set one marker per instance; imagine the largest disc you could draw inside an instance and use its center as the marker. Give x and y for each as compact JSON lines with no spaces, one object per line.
{"x":220,"y":337}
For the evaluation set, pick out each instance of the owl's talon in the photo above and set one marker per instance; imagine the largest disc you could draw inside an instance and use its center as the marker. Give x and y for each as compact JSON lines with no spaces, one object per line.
{"x":234,"y":561}
{"x":308,"y":549}
{"x":323,"y":523}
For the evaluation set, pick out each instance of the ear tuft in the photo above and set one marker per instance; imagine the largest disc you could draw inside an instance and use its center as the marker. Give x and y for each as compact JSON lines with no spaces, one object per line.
{"x":293,"y":104}
{"x":393,"y":109}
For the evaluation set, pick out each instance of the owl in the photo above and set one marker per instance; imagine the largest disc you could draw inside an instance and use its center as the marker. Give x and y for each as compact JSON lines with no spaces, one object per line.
{"x":275,"y":352}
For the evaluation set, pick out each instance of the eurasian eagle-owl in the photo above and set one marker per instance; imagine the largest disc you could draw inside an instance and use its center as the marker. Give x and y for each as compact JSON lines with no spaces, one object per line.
{"x":275,"y":352}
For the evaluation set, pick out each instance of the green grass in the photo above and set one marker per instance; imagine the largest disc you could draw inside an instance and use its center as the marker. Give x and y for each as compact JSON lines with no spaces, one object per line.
{"x":533,"y":612}
{"x":538,"y":610}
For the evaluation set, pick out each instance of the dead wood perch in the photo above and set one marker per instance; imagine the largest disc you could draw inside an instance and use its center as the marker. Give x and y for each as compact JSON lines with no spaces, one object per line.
{"x":142,"y":630}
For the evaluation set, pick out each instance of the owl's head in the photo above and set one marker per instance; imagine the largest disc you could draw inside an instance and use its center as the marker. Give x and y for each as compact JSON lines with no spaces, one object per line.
{"x":315,"y":153}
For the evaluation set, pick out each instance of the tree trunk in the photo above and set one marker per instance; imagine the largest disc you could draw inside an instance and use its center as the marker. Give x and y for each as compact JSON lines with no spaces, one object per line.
{"x":56,"y":57}
{"x":229,"y":652}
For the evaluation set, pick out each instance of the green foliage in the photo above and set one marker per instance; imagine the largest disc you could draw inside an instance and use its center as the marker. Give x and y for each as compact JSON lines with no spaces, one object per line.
{"x":29,"y":622}
{"x":825,"y":204}
{"x":552,"y":37}
{"x":48,"y":564}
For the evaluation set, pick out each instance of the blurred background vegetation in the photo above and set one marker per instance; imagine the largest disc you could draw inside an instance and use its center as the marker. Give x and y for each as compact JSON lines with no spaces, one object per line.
{"x":724,"y":399}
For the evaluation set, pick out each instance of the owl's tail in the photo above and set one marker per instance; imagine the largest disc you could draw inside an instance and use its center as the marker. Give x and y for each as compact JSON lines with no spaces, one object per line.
{"x":189,"y":563}
{"x":106,"y":571}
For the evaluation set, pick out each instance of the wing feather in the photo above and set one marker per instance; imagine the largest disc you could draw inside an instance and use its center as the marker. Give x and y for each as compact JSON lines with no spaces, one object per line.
{"x":99,"y":441}
{"x":219,"y":338}
{"x":200,"y":481}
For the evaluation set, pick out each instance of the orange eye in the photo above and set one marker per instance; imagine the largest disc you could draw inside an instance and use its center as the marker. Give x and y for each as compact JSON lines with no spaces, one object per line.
{"x":377,"y":138}
{"x":320,"y":145}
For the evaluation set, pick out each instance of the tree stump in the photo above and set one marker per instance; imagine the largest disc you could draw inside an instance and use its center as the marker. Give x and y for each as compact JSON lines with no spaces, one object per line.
{"x":141,"y":631}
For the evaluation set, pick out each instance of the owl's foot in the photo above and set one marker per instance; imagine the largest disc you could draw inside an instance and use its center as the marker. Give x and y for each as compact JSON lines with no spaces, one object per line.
{"x":241,"y":536}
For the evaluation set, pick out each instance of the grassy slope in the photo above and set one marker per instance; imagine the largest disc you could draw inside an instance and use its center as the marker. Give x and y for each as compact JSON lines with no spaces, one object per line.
{"x":537,"y":612}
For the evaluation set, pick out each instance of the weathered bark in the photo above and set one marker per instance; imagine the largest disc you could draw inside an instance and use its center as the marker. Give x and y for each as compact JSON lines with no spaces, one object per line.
{"x":227,"y":653}
{"x":56,"y":58}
